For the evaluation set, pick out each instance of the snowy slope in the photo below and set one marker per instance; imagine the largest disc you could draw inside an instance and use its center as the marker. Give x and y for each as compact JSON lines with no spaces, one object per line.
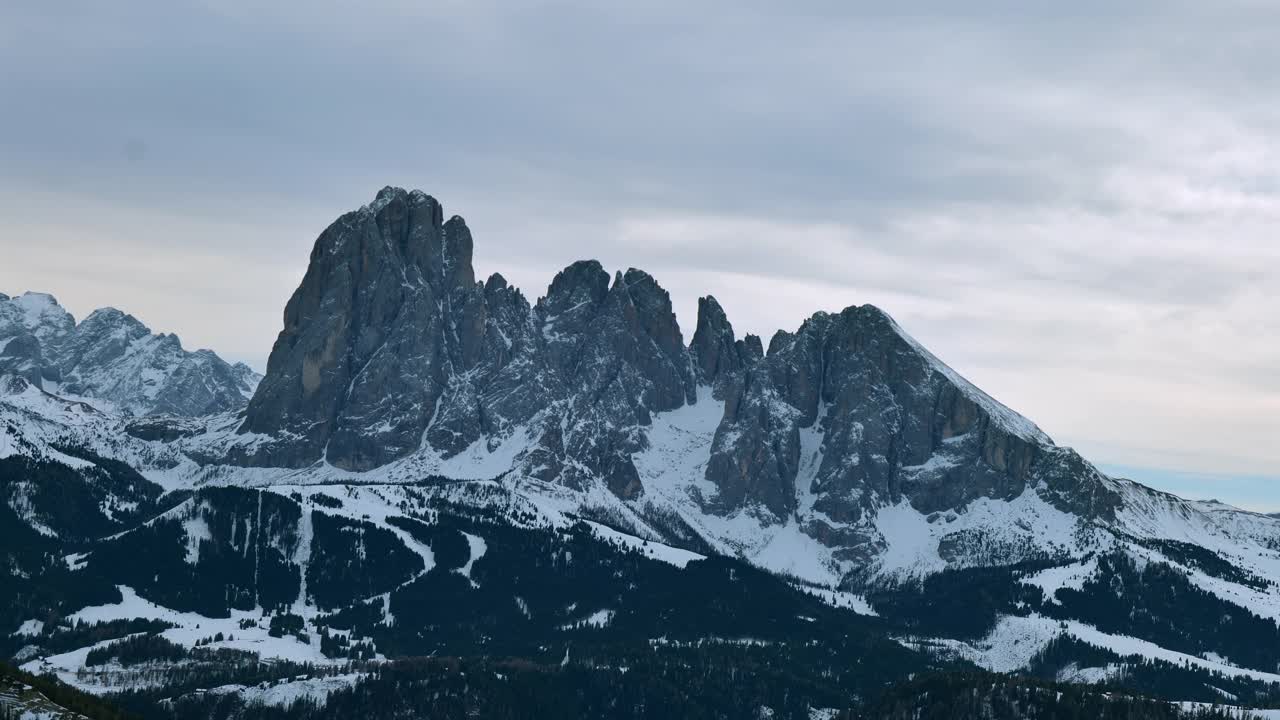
{"x":1016,"y":640}
{"x":909,"y":542}
{"x":677,"y":447}
{"x":912,"y":543}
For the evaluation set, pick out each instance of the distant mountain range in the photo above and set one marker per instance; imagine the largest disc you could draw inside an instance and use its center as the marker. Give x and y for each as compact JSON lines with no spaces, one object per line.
{"x":568,"y":497}
{"x":112,"y":357}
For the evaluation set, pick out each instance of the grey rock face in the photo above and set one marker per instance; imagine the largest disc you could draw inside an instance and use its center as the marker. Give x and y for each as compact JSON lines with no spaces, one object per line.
{"x":112,"y":356}
{"x":391,"y":347}
{"x":716,"y":354}
{"x":756,"y":451}
{"x":363,"y":356}
{"x":389,"y":340}
{"x":614,"y":355}
{"x":627,"y":349}
{"x":20,"y":355}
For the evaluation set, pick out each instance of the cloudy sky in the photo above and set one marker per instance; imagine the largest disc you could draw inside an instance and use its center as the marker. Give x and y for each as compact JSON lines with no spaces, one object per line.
{"x":1075,"y":206}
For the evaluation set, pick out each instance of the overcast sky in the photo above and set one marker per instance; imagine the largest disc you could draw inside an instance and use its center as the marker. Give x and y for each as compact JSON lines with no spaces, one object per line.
{"x":1074,"y":206}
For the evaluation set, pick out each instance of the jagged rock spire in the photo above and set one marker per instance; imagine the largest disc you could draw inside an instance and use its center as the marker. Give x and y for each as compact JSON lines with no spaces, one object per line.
{"x":583,"y":283}
{"x":716,"y":354}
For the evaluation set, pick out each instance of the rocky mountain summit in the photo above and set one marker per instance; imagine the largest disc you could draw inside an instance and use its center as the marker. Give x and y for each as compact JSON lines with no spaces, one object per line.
{"x":390,"y":346}
{"x":392,"y":349}
{"x":111,"y":356}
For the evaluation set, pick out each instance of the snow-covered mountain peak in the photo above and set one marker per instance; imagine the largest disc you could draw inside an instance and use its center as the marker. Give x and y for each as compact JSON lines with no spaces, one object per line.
{"x":114,"y":357}
{"x":38,"y":304}
{"x":37,"y":313}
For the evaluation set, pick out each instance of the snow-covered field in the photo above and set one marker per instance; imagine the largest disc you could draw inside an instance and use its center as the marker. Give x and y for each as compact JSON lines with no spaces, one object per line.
{"x":1072,"y":576}
{"x":243,"y":630}
{"x":1016,"y":640}
{"x":284,"y":694}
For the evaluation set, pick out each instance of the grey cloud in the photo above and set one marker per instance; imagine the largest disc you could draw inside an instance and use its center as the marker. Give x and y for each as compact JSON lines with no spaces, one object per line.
{"x":1040,"y":191}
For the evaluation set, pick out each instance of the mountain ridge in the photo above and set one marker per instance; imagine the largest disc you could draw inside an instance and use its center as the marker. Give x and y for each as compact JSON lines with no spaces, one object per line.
{"x":393,"y":350}
{"x":841,"y":431}
{"x":111,"y":356}
{"x":434,"y":464}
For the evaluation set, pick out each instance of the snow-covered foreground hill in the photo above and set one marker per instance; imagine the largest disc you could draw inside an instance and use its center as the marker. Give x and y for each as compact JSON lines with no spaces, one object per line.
{"x":1060,"y":571}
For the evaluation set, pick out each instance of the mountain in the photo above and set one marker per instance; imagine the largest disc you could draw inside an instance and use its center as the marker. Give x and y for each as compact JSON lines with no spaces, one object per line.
{"x":394,"y":356}
{"x":110,"y":356}
{"x":444,"y":495}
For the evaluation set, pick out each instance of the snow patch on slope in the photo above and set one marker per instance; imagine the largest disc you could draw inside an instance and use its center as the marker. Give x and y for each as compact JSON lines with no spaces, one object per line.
{"x":477,"y":547}
{"x":1014,"y":641}
{"x":1006,"y":530}
{"x":282,"y":695}
{"x":597,"y":619}
{"x":672,"y":469}
{"x":1072,"y":576}
{"x":197,"y":530}
{"x":1009,"y":646}
{"x":653,"y":550}
{"x":674,"y":461}
{"x":190,"y":628}
{"x":29,"y":628}
{"x":840,"y":599}
{"x":911,"y":546}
